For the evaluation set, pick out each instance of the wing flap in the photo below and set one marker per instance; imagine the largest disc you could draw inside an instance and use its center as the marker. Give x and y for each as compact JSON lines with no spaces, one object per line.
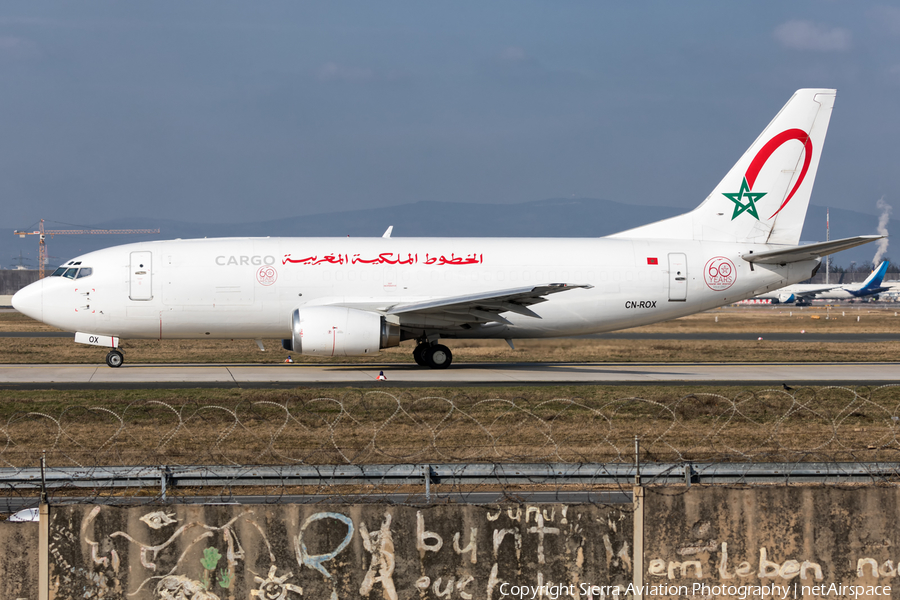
{"x":483,"y":307}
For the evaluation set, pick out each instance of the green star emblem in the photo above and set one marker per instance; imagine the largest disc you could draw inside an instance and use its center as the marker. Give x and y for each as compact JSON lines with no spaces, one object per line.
{"x":738,"y":198}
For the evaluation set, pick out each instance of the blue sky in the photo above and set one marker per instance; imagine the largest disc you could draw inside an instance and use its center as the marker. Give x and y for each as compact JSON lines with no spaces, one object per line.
{"x":238,"y":111}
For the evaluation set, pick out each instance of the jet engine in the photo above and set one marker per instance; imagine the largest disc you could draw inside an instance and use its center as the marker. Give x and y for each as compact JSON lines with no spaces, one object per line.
{"x":340,"y":331}
{"x":786,"y":298}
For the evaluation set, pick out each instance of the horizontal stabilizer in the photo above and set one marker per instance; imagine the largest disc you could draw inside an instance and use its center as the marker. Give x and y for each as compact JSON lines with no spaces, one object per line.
{"x":809,"y":251}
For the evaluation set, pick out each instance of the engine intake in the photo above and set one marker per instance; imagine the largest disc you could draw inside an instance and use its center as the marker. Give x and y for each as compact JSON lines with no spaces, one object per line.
{"x":340,"y":331}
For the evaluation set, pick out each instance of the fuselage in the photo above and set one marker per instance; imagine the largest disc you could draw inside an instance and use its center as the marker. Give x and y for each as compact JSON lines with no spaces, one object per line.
{"x":812,"y":291}
{"x":249,"y":287}
{"x":836,"y":293}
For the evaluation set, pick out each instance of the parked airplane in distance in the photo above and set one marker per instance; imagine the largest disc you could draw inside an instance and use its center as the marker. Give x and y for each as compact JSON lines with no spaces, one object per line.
{"x":804,"y":293}
{"x":346,"y":296}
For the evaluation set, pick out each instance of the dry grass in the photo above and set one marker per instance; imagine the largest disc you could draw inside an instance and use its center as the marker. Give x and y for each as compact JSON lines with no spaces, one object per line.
{"x":544,"y":424}
{"x":755,"y":322}
{"x":11,"y":320}
{"x":558,"y":424}
{"x":64,"y":351}
{"x":842,"y":318}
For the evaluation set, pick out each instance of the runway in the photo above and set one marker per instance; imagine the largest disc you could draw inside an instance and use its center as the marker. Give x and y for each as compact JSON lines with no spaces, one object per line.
{"x":406,"y":375}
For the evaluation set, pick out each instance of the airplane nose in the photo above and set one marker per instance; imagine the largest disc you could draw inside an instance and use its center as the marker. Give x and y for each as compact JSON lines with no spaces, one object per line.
{"x":29,"y":300}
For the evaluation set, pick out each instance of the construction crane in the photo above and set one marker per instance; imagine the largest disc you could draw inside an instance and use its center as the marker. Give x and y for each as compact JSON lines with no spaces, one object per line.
{"x":43,"y":233}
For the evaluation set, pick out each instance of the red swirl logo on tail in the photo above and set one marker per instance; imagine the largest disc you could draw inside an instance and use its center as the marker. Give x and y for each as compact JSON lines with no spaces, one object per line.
{"x":771,"y":146}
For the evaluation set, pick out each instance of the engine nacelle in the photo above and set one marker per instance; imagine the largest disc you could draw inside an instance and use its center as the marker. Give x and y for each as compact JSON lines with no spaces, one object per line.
{"x":340,"y":331}
{"x":786,"y":298}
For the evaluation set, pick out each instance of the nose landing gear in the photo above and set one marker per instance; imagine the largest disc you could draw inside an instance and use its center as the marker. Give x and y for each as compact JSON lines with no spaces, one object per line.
{"x":115,"y":358}
{"x":436,"y":356}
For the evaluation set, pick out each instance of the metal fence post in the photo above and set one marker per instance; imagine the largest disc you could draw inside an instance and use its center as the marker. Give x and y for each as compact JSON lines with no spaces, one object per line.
{"x":43,"y":477}
{"x":426,"y":471}
{"x":44,"y":552}
{"x":43,"y":536}
{"x":637,"y":461}
{"x":638,"y":559}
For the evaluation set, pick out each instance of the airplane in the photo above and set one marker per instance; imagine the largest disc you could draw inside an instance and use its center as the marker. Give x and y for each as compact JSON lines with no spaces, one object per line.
{"x":803,"y":293}
{"x":355,"y":296}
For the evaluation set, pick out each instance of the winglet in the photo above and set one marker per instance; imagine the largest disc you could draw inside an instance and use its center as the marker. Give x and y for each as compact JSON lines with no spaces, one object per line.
{"x":387,"y":233}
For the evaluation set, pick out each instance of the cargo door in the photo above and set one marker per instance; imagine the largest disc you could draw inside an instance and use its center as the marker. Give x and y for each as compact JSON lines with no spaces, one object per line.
{"x":141,"y":284}
{"x":678,"y":277}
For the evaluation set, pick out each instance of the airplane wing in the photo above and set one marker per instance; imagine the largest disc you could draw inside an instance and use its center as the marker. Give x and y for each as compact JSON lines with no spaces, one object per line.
{"x":809,"y":251}
{"x":482,"y":307}
{"x":813,"y":292}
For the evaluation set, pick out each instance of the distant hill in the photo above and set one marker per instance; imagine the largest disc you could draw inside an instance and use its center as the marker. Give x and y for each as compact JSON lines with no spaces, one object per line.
{"x":560,"y":217}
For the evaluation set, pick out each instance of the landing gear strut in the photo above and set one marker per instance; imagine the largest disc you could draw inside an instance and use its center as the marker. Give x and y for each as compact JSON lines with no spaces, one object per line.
{"x":436,"y":356}
{"x":115,"y":358}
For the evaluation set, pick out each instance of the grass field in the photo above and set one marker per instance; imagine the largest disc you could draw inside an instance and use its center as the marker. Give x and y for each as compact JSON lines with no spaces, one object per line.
{"x":545,"y":424}
{"x":529,"y":424}
{"x":753,"y":321}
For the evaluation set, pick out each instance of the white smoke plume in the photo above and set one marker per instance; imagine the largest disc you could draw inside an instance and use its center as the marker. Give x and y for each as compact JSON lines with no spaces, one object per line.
{"x":882,"y":244}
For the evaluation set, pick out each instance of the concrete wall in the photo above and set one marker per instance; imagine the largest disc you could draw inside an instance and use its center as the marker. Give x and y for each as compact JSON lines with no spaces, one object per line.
{"x":18,"y":560}
{"x":763,"y":542}
{"x":292,"y":552}
{"x":768,"y":536}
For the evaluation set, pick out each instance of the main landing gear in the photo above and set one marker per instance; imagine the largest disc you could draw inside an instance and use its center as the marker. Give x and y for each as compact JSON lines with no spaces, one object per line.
{"x":436,"y":356}
{"x":115,"y":358}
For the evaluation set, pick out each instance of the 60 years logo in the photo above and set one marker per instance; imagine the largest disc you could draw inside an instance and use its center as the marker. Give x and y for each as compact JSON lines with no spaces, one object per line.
{"x":719,"y":273}
{"x":266,"y":275}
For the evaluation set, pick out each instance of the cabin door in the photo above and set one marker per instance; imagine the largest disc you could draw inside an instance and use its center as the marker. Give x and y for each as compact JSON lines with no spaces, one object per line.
{"x":678,"y":277}
{"x":141,"y":284}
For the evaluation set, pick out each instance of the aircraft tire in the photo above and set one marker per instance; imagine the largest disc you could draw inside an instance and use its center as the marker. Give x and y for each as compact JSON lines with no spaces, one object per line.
{"x":438,"y":356}
{"x":114,"y":359}
{"x":419,"y":355}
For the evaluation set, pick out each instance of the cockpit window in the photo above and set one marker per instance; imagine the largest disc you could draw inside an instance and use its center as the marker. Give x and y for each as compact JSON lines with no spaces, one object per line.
{"x":73,"y":272}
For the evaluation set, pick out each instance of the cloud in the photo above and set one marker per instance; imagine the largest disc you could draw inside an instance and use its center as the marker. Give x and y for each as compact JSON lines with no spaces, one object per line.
{"x":513,"y":54}
{"x":334,"y":72}
{"x":886,"y":18}
{"x":16,"y":47}
{"x":516,"y":57}
{"x":806,"y":35}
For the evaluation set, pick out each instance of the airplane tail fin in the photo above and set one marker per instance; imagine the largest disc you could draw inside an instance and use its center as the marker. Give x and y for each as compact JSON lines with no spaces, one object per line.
{"x":874,"y":280}
{"x":764,"y":197}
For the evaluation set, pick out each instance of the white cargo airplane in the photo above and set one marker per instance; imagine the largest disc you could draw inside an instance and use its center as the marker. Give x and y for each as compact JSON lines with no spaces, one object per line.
{"x":803,"y":293}
{"x":350,"y":297}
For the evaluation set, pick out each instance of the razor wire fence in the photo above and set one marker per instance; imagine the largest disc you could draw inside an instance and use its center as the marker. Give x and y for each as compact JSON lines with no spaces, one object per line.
{"x":400,"y":447}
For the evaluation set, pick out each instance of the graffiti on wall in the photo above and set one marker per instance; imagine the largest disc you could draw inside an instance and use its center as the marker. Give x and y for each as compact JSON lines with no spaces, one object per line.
{"x":291,"y":552}
{"x":797,"y":542}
